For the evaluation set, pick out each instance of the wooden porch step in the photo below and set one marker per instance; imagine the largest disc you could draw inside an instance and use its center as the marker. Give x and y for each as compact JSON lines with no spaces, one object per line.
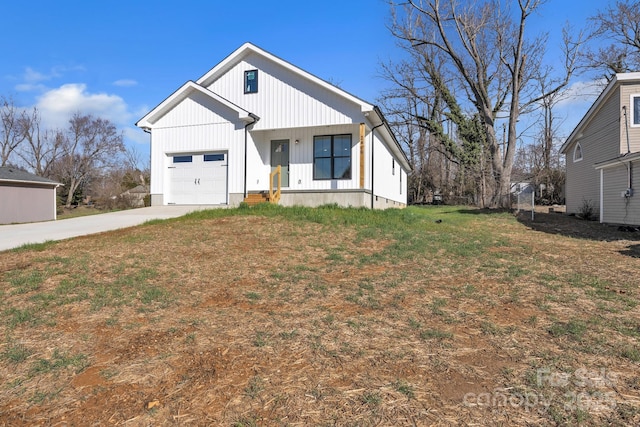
{"x":256,"y":198}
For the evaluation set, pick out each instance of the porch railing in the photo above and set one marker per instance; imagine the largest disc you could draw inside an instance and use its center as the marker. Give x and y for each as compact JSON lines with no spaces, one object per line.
{"x":274,"y":196}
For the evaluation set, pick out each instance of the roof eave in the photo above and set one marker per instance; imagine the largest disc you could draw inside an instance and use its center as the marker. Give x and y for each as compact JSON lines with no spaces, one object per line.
{"x":247,"y":48}
{"x":396,"y":148}
{"x":577,"y":131}
{"x":146,"y":123}
{"x":625,"y":158}
{"x":22,"y":181}
{"x":604,"y":95}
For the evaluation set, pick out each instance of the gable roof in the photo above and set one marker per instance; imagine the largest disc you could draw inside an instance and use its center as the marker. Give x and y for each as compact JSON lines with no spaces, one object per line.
{"x":613,"y":84}
{"x":237,"y":56}
{"x":182,"y":93}
{"x":14,"y":175}
{"x":248,"y":48}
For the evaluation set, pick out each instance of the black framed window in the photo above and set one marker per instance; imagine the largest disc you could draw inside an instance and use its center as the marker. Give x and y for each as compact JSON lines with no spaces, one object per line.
{"x":332,"y":157}
{"x":213,"y":157}
{"x":251,"y":81}
{"x":182,"y":159}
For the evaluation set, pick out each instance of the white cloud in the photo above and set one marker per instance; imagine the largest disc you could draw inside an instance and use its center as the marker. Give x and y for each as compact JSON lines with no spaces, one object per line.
{"x":33,"y":76}
{"x":30,"y":87}
{"x":136,"y":135}
{"x":125,"y":83}
{"x":582,"y":93}
{"x":58,"y":105}
{"x":32,"y":80}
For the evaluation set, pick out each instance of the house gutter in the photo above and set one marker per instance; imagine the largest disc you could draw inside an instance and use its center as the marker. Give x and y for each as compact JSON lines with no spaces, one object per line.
{"x":246,"y":133}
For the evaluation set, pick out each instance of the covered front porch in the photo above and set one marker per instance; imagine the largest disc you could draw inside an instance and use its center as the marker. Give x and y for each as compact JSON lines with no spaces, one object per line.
{"x":308,"y":166}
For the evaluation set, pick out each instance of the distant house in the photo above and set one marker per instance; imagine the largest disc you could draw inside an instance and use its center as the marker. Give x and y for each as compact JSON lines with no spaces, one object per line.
{"x":257,"y":128}
{"x":25,"y":197}
{"x":602,"y":152}
{"x":136,"y":195}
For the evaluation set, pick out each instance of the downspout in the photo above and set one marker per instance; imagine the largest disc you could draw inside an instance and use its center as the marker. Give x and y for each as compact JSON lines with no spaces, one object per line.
{"x":246,"y":133}
{"x":601,"y":195}
{"x":372,"y":163}
{"x":629,"y":192}
{"x":148,"y":130}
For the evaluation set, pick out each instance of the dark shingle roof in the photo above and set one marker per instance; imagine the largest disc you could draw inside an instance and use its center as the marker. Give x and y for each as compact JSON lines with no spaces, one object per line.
{"x":12,"y":174}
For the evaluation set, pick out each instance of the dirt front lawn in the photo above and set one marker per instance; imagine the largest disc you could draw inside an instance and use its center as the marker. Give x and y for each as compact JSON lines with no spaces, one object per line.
{"x":267,"y":316}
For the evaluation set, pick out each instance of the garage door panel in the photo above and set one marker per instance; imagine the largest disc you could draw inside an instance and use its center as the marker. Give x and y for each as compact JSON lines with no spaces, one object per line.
{"x":213,"y":184}
{"x":202,"y":180}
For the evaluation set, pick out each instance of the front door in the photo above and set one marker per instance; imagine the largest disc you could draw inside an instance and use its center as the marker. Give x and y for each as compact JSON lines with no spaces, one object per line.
{"x":280,"y":156}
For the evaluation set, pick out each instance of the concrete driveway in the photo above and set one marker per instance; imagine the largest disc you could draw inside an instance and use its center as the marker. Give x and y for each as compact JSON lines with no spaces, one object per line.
{"x":15,"y":235}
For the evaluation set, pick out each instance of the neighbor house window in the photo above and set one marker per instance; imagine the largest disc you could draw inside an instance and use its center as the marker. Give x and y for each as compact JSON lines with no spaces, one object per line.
{"x":251,"y":81}
{"x":393,"y":166}
{"x":577,"y":153}
{"x":332,"y":157}
{"x":635,"y":110}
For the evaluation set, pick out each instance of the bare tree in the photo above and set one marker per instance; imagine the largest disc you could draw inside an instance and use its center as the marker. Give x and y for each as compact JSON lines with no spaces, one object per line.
{"x":492,"y":62}
{"x":540,"y":162}
{"x":89,"y":146}
{"x":430,"y":134}
{"x":619,"y":24}
{"x":11,"y":135}
{"x":403,"y":102}
{"x":42,"y":147}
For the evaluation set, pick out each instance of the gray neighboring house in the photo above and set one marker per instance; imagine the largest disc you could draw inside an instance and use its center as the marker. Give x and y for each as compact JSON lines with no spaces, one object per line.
{"x":602,"y":153}
{"x":25,"y":197}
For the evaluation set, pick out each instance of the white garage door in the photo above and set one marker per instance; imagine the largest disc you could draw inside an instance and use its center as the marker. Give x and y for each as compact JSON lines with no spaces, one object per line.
{"x":198,"y":179}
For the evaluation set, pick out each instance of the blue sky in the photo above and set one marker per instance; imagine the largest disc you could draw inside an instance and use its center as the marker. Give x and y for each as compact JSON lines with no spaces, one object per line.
{"x":118,"y":59}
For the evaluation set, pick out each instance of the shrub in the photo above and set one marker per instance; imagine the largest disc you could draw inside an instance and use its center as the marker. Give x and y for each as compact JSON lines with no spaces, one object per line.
{"x":587,"y":211}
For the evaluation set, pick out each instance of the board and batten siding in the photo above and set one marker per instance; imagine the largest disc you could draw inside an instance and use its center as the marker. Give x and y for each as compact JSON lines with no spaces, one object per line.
{"x":388,"y":174}
{"x":197,"y":125}
{"x":301,"y":158}
{"x":284,"y":98}
{"x":599,"y":142}
{"x":618,"y":209}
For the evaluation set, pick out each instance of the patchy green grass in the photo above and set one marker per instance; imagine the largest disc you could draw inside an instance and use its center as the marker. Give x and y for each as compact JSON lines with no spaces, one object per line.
{"x":277,"y":316}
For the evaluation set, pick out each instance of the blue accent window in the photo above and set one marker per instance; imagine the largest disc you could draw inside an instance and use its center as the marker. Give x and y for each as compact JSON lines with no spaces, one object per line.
{"x":332,"y":157}
{"x":182,"y":159}
{"x":213,"y":157}
{"x":251,"y":81}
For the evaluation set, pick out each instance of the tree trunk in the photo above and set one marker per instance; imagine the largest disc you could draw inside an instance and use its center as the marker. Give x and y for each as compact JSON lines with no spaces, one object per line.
{"x":73,"y":186}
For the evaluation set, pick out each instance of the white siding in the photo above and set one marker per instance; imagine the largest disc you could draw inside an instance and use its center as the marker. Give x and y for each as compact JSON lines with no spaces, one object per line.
{"x":196,"y":126}
{"x":284,"y":99}
{"x":301,"y":158}
{"x":388,"y":174}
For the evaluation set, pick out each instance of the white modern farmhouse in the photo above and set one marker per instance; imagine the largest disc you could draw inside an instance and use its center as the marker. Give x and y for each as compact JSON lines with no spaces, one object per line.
{"x":257,"y":128}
